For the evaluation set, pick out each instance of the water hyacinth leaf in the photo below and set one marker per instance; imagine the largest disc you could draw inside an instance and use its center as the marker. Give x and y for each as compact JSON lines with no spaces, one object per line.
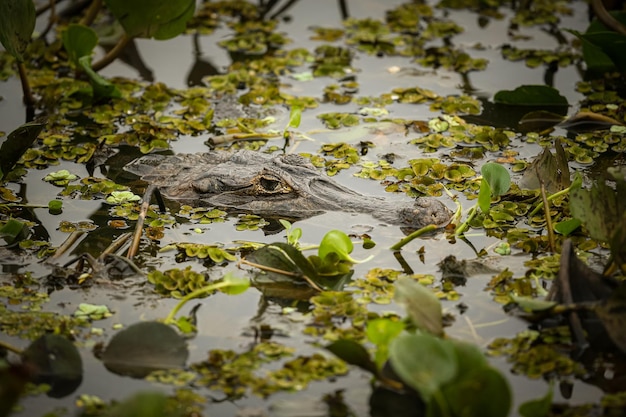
{"x":145,"y":347}
{"x":423,"y":362}
{"x":484,"y":196}
{"x":599,"y":39}
{"x":422,"y":306}
{"x":381,"y":332}
{"x":539,"y":407}
{"x":338,"y":242}
{"x":353,"y":353}
{"x":79,"y":41}
{"x":498,"y":178}
{"x":482,"y":392}
{"x":101,"y":87}
{"x":235,"y":285}
{"x":159,"y":19}
{"x":55,"y":361}
{"x":531,"y":95}
{"x":567,"y":227}
{"x":295,"y":116}
{"x":18,"y":142}
{"x":17,"y":22}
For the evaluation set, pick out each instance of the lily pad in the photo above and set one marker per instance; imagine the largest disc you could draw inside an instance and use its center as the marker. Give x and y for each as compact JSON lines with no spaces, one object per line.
{"x":145,"y":347}
{"x":56,"y":362}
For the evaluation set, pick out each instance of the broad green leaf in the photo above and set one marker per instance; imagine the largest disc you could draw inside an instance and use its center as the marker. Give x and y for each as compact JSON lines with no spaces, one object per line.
{"x":481,"y":392}
{"x":539,"y":407}
{"x":381,"y":332}
{"x":159,"y":19}
{"x":13,"y":231}
{"x":145,"y":347}
{"x":235,"y":285}
{"x":338,"y":242}
{"x":101,"y":87}
{"x":566,"y":227}
{"x":498,"y":178}
{"x":17,"y":22}
{"x":55,"y":361}
{"x":423,"y":362}
{"x":353,"y":353}
{"x":531,"y":95}
{"x":18,"y":142}
{"x":79,"y":41}
{"x":422,"y":306}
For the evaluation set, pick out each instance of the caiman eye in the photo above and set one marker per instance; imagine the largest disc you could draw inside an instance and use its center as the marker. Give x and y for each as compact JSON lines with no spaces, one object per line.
{"x":270,"y":185}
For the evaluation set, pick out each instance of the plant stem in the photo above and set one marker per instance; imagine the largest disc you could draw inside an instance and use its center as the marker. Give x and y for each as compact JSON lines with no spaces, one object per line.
{"x":414,"y":235}
{"x":10,"y":347}
{"x":465,"y":225}
{"x":113,"y":53}
{"x":550,"y":198}
{"x":92,"y":12}
{"x":546,"y":212}
{"x":29,"y":100}
{"x":197,"y":293}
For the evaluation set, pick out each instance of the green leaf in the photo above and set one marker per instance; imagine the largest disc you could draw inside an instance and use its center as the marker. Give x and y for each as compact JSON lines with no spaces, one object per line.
{"x":235,"y":285}
{"x":481,"y":392}
{"x":539,"y":407}
{"x":101,"y":87}
{"x":338,"y":242}
{"x":531,"y":95}
{"x":145,"y":347}
{"x":295,"y":116}
{"x":530,"y":304}
{"x":423,"y":362}
{"x":13,"y":231}
{"x":422,"y":306}
{"x":152,"y":404}
{"x":498,"y":178}
{"x":17,"y":22}
{"x":79,"y":41}
{"x":484,"y":196}
{"x":159,"y":19}
{"x":381,"y":332}
{"x":566,"y":227}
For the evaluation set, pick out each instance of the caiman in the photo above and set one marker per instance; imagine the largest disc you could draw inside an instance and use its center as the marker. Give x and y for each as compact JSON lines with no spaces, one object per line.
{"x":285,"y":186}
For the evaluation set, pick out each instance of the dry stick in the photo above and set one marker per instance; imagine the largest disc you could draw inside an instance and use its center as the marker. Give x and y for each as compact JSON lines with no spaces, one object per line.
{"x":71,"y":239}
{"x":280,"y":271}
{"x":117,"y":243}
{"x":145,"y":204}
{"x":12,"y":348}
{"x":113,"y":53}
{"x":29,"y":100}
{"x":546,"y":210}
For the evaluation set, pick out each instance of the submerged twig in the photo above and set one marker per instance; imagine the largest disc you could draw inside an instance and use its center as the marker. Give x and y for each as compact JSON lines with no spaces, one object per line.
{"x":113,"y":53}
{"x":68,"y":243}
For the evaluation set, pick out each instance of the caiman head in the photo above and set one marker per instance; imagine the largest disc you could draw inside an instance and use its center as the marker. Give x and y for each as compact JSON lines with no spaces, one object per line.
{"x":285,"y":186}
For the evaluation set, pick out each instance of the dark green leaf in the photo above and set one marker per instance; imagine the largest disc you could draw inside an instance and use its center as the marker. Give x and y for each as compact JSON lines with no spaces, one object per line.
{"x":18,"y":142}
{"x":566,"y":227}
{"x":531,"y":95}
{"x":101,"y":87}
{"x":484,"y":196}
{"x":146,"y":404}
{"x":55,"y":361}
{"x":423,"y":362}
{"x":159,"y":19}
{"x":353,"y":353}
{"x":482,"y":392}
{"x":17,"y":22}
{"x":422,"y":306}
{"x":612,"y":313}
{"x":145,"y":347}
